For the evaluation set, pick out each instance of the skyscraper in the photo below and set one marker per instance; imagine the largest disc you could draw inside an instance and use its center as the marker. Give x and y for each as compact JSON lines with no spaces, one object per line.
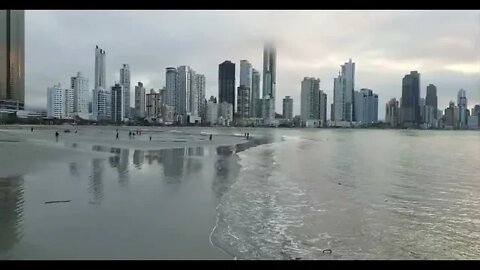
{"x":410,"y":102}
{"x":100,"y":66}
{"x":81,"y":95}
{"x":392,"y":113}
{"x":288,"y":108}
{"x":12,"y":59}
{"x":269,"y":81}
{"x":117,"y":103}
{"x":153,"y":101}
{"x":343,"y":93}
{"x":269,"y":69}
{"x":462,"y":108}
{"x":310,"y":99}
{"x":101,"y":104}
{"x":69,"y":102}
{"x":125,"y":82}
{"x":431,"y":99}
{"x":243,"y":101}
{"x":183,"y":90}
{"x":226,"y":83}
{"x":338,"y":105}
{"x":255,"y":106}
{"x":200,"y":102}
{"x":55,"y":102}
{"x":366,"y":106}
{"x":322,"y":108}
{"x":348,"y":72}
{"x":245,"y":73}
{"x":170,"y":86}
{"x":140,"y":101}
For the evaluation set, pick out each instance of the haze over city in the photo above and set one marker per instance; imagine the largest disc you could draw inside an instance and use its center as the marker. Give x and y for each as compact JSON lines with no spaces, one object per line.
{"x":442,"y":46}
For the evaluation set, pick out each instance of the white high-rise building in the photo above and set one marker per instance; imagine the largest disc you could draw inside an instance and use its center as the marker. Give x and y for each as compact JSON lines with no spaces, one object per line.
{"x":187,"y":98}
{"x":125,"y":82}
{"x":69,"y":102}
{"x":183,"y":90}
{"x":212,"y":112}
{"x":462,"y":108}
{"x":225,"y":112}
{"x":343,"y":93}
{"x":200,"y":82}
{"x":100,"y":66}
{"x":101,"y":105}
{"x":81,"y":95}
{"x":170,"y":86}
{"x":117,"y":103}
{"x":55,"y":102}
{"x":140,"y":101}
{"x":310,"y":99}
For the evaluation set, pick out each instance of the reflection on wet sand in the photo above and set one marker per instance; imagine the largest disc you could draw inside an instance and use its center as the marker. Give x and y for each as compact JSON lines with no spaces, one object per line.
{"x":96,"y":180}
{"x":138,"y":158}
{"x":120,"y":163}
{"x":11,"y":211}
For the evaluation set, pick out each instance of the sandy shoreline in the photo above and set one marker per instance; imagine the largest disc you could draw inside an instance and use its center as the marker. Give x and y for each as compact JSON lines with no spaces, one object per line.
{"x":24,"y":151}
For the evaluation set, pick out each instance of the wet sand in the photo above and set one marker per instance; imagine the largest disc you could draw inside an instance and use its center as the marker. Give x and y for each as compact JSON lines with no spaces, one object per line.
{"x":122,"y":199}
{"x":39,"y":147}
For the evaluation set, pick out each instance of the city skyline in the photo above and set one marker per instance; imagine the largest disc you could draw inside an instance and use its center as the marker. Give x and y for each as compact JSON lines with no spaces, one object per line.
{"x":448,"y":60}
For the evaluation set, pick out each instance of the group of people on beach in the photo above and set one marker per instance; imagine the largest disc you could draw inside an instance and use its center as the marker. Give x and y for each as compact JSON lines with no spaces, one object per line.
{"x":247,"y":135}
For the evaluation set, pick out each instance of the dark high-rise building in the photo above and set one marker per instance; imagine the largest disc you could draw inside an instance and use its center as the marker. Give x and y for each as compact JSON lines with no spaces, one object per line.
{"x":226,"y":83}
{"x":12,"y":59}
{"x":410,"y":102}
{"x":322,"y":109}
{"x":269,"y":70}
{"x":431,"y":99}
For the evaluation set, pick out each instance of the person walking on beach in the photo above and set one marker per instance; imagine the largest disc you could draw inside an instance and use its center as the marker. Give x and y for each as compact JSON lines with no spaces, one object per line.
{"x":56,"y":136}
{"x":248,"y":135}
{"x":150,"y":137}
{"x":31,"y":130}
{"x":129,"y":134}
{"x":210,"y":137}
{"x":116,"y":137}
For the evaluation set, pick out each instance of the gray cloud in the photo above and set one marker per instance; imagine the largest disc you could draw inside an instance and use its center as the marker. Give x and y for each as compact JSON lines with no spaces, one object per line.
{"x":442,"y":45}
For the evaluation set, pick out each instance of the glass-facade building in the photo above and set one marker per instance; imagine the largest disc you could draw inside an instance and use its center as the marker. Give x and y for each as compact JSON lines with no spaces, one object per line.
{"x":12,"y":59}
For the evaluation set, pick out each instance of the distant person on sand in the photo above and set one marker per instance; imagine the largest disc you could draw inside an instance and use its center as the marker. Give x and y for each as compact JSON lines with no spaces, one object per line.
{"x":248,"y":135}
{"x":210,"y":137}
{"x":31,"y":130}
{"x":56,"y":136}
{"x":116,"y":136}
{"x":150,"y":137}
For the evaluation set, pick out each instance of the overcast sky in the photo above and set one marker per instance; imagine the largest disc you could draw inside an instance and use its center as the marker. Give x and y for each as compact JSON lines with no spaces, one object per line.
{"x":444,"y":46}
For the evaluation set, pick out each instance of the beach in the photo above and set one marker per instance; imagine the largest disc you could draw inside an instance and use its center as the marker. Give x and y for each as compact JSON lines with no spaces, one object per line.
{"x":130,"y":198}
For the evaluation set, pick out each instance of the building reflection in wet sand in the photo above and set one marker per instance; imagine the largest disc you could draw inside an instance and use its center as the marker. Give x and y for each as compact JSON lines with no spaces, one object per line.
{"x":138,"y":158}
{"x":120,"y":163}
{"x":11,"y":212}
{"x":96,"y":180}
